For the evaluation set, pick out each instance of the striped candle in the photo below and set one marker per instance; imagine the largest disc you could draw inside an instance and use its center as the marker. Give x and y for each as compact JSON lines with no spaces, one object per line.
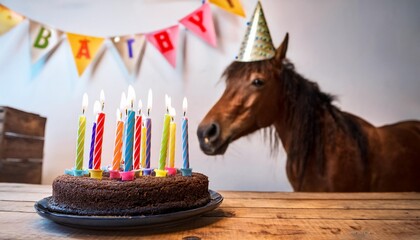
{"x":172,"y":139}
{"x":148,"y":140}
{"x":118,"y":143}
{"x":143,"y":146}
{"x":184,"y":135}
{"x":97,"y":156}
{"x":137,"y":142}
{"x":81,"y":135}
{"x":129,"y":137}
{"x":92,"y":145}
{"x":164,"y":142}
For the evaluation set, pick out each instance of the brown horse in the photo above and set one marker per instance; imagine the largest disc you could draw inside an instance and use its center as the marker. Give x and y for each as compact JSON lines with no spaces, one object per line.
{"x":327,"y":149}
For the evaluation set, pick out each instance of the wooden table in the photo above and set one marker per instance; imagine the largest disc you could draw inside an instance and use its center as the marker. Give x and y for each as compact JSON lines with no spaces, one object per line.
{"x":242,"y":215}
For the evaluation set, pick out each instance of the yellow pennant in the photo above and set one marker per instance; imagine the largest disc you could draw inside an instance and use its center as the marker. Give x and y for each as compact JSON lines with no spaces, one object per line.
{"x":84,"y":49}
{"x":233,"y":6}
{"x":8,"y":19}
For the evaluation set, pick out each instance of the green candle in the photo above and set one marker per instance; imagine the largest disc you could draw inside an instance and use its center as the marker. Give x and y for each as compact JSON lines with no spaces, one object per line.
{"x":81,"y":135}
{"x":165,"y":135}
{"x":164,"y":143}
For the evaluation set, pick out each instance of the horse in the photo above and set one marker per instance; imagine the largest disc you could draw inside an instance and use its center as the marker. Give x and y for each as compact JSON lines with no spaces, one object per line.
{"x":328,"y":150}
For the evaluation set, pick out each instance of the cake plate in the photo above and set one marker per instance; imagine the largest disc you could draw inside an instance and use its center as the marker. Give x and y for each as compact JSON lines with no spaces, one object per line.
{"x":126,"y":222}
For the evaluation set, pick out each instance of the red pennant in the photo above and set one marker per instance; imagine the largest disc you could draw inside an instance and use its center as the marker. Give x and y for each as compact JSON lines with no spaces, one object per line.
{"x":166,"y":42}
{"x":201,"y":23}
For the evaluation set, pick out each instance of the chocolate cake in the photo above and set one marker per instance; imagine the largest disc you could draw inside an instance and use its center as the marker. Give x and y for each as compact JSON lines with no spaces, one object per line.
{"x":146,"y":195}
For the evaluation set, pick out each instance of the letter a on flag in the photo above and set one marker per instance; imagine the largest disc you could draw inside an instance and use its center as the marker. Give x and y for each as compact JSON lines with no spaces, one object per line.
{"x":131,"y":49}
{"x":201,"y":23}
{"x":8,"y":19}
{"x":166,"y":42}
{"x":43,"y":40}
{"x":233,"y":6}
{"x":84,"y":49}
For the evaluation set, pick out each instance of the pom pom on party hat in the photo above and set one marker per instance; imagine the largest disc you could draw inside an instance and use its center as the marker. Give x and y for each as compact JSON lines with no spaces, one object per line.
{"x":257,"y":44}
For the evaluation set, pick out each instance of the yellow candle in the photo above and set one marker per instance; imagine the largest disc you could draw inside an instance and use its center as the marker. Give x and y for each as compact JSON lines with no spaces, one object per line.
{"x":118,"y":142}
{"x":81,"y":135}
{"x":172,"y":139}
{"x":143,"y":146}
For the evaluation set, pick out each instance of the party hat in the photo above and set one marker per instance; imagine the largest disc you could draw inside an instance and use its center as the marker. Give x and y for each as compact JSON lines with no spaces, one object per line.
{"x":257,"y":44}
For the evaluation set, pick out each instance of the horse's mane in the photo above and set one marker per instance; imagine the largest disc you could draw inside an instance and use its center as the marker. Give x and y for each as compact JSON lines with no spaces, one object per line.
{"x":304,"y":105}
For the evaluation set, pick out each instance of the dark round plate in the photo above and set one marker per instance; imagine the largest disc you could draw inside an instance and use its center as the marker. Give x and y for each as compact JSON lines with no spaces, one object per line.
{"x":126,"y":222}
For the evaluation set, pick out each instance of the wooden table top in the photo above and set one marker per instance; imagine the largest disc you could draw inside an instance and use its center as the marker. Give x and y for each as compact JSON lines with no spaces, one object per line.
{"x":242,"y":215}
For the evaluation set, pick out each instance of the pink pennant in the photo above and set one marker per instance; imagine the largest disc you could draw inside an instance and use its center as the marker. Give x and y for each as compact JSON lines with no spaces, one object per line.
{"x":201,"y":23}
{"x":166,"y":41}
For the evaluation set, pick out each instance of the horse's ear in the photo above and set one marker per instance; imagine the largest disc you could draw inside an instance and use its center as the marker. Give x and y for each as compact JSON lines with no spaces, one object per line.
{"x":282,"y":49}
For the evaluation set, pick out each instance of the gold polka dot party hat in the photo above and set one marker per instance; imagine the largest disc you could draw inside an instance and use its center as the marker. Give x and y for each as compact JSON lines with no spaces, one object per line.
{"x":257,"y":44}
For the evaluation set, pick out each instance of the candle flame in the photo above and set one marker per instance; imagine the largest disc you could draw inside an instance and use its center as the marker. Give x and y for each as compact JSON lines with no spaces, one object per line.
{"x":184,"y":106}
{"x":149,"y":102}
{"x":123,"y":102}
{"x":96,"y":107}
{"x":140,"y":106}
{"x":84,"y":103}
{"x":119,"y":115}
{"x":131,"y":96}
{"x":172,"y":112}
{"x":102,"y":99}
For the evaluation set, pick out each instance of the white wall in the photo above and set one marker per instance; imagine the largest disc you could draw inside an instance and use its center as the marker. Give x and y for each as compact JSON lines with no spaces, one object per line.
{"x":366,"y":52}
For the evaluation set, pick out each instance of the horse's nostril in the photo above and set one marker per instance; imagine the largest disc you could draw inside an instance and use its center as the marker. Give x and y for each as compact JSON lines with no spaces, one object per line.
{"x":211,"y":133}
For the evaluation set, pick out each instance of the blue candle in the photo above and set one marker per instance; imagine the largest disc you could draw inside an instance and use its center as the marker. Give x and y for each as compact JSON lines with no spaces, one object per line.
{"x":184,"y":134}
{"x":129,"y":137}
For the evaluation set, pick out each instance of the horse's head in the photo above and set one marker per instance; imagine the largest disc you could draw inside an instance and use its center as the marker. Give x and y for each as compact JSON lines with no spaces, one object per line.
{"x":249,"y":102}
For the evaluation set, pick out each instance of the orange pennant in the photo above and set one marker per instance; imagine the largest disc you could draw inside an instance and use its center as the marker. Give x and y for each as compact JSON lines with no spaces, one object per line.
{"x":84,"y":49}
{"x":233,"y":6}
{"x":8,"y":19}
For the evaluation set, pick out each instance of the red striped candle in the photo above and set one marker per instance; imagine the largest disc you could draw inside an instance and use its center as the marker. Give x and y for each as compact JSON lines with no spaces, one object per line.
{"x":97,"y":155}
{"x":137,"y":142}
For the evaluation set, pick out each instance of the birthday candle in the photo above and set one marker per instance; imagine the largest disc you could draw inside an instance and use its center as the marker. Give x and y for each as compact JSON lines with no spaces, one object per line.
{"x":118,"y":142}
{"x":129,"y":136}
{"x":172,"y":139}
{"x":137,"y":137}
{"x":81,"y":134}
{"x":165,"y":136}
{"x":100,"y":122}
{"x":184,"y":133}
{"x":149,"y":128}
{"x":92,"y":144}
{"x":143,"y":146}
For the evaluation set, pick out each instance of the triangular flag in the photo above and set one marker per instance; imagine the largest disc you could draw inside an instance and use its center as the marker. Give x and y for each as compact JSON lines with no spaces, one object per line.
{"x":201,"y":23}
{"x":233,"y":6}
{"x":43,"y":40}
{"x":84,"y":49}
{"x":8,"y":19}
{"x":166,"y":41}
{"x":131,"y":49}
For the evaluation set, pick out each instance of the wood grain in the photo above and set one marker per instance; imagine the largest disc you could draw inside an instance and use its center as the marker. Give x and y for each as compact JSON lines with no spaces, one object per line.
{"x":242,"y":215}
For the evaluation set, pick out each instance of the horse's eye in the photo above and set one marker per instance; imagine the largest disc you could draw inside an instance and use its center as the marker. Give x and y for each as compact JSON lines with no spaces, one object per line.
{"x":257,"y":82}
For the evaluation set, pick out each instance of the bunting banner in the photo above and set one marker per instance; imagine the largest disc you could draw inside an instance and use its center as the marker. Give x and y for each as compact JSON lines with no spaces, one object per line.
{"x":8,"y":19}
{"x":84,"y":49}
{"x":166,"y":42}
{"x":201,"y":23}
{"x":131,"y":49}
{"x":44,"y":40}
{"x":233,"y":6}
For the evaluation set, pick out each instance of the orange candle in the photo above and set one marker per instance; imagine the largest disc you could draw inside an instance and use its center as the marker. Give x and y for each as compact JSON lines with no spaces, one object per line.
{"x":118,"y":142}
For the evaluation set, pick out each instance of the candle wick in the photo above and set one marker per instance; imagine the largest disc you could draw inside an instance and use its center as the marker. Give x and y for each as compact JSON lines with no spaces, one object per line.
{"x":103,"y":105}
{"x":148,"y":112}
{"x":185,"y":113}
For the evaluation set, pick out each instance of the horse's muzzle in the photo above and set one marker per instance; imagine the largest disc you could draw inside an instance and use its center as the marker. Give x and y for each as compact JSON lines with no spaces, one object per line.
{"x":209,"y":138}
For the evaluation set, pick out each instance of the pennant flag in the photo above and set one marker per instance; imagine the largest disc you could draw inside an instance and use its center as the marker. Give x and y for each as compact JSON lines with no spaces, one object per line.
{"x":84,"y":49}
{"x":233,"y":6}
{"x":43,"y":40}
{"x":8,"y":19}
{"x":201,"y":23}
{"x":166,"y":42}
{"x":131,"y":49}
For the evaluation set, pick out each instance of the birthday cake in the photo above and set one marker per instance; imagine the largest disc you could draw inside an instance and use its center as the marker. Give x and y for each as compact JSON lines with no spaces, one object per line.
{"x":145,"y":195}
